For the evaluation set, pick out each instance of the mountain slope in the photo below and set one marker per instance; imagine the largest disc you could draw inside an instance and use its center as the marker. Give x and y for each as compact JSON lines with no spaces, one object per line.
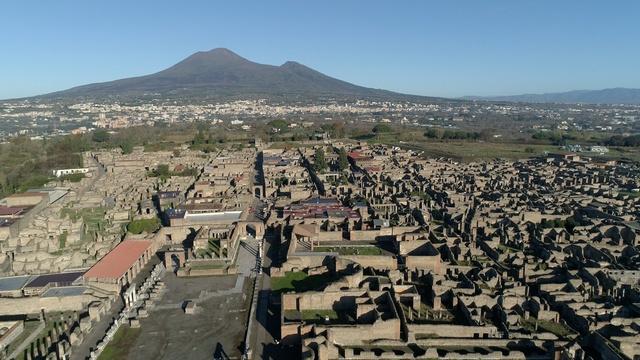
{"x":222,"y":73}
{"x":604,"y":96}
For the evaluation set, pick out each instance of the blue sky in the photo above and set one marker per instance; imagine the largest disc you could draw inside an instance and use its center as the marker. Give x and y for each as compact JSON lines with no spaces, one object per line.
{"x":440,"y":48}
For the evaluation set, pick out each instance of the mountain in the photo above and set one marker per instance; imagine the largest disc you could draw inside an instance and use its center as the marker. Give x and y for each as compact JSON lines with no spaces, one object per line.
{"x":604,"y":96}
{"x":222,"y":73}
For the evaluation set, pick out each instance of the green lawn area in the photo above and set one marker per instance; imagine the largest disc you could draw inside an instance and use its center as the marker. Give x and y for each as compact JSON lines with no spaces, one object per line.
{"x":468,"y":150}
{"x":206,"y":266}
{"x":619,"y":153}
{"x":72,"y":177}
{"x":475,"y":150}
{"x":319,"y":316}
{"x":631,"y":194}
{"x":350,"y":250}
{"x":213,"y":248}
{"x":62,"y":240}
{"x":555,"y":328}
{"x":160,"y":146}
{"x":299,"y":281}
{"x":120,"y":345}
{"x":93,"y":218}
{"x":143,"y":225}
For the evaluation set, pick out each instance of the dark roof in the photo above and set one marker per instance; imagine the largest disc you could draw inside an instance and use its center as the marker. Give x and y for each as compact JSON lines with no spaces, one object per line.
{"x":168,"y":194}
{"x":175,"y":213}
{"x":59,"y":279}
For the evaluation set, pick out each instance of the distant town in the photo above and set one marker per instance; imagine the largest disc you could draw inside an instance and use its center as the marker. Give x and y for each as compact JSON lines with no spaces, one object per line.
{"x":39,"y":120}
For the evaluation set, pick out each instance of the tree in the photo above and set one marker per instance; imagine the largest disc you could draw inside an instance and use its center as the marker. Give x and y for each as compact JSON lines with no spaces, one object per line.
{"x":279,"y":124}
{"x":143,"y":225}
{"x":162,"y":170}
{"x":199,"y":138}
{"x":319,"y":162}
{"x":343,"y":161}
{"x":101,"y":136}
{"x":430,"y":134}
{"x":126,"y":145}
{"x":338,"y":130}
{"x":381,"y":128}
{"x":334,"y":129}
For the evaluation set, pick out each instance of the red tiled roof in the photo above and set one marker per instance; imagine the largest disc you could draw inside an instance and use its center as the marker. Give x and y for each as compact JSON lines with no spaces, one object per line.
{"x":119,"y":260}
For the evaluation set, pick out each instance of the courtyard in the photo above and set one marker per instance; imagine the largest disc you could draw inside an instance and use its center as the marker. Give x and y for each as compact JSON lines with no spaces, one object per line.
{"x":216,"y":330}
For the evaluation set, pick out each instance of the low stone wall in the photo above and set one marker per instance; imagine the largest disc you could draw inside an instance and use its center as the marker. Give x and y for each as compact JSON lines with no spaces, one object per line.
{"x":379,"y":262}
{"x":207,"y":272}
{"x":329,"y":236}
{"x":452,"y":331}
{"x":382,"y":329}
{"x":33,"y":305}
{"x":299,"y":263}
{"x":432,"y":263}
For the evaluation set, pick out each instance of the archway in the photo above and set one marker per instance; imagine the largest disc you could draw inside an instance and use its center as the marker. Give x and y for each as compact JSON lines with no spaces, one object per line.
{"x":174,"y":258}
{"x":254,"y":229}
{"x":257,"y":191}
{"x":250,"y":229}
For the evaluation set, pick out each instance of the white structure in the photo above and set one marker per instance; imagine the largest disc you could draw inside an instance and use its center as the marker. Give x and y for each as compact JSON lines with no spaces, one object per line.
{"x":600,"y":149}
{"x":62,"y":172}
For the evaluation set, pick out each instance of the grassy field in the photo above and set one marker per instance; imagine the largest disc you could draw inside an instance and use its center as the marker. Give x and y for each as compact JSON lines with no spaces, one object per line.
{"x":319,"y":314}
{"x":161,"y":146}
{"x":207,"y":266}
{"x":299,"y":281}
{"x":350,"y":250}
{"x":121,"y":344}
{"x":475,"y":150}
{"x":555,"y":328}
{"x":93,"y":218}
{"x":62,"y":239}
{"x":143,"y":225}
